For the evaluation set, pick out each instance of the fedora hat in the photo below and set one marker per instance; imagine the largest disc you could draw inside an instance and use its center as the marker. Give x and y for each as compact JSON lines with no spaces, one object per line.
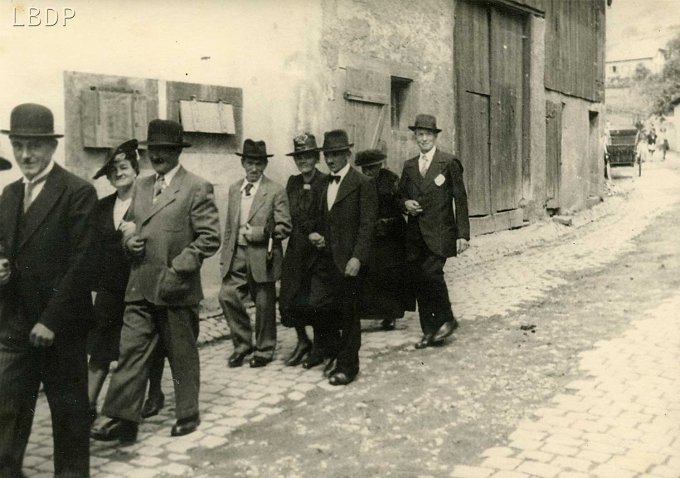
{"x":304,"y":143}
{"x":254,"y":149}
{"x":164,"y":133}
{"x":425,"y":122}
{"x":335,"y":140}
{"x":126,"y":148}
{"x":369,"y":157}
{"x":31,"y":120}
{"x":4,"y":164}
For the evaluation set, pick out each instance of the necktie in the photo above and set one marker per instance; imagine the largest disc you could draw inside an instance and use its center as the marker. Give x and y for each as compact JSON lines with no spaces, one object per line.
{"x":335,"y":178}
{"x":158,"y":187}
{"x":28,"y":193}
{"x":249,"y":188}
{"x":423,"y":165}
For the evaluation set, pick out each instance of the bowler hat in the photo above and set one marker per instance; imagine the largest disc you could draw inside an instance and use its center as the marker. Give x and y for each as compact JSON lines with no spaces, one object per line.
{"x":31,"y":120}
{"x":4,"y":164}
{"x":304,"y":143}
{"x":425,"y":122}
{"x":127,"y":148}
{"x":369,"y":157}
{"x":254,"y":149}
{"x":165,"y":133}
{"x":335,"y":140}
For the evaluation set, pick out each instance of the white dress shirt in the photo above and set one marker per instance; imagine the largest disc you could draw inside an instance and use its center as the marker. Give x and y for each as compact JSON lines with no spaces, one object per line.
{"x":333,"y":187}
{"x":425,"y":160}
{"x":244,"y":212}
{"x":120,"y":207}
{"x":37,"y":179}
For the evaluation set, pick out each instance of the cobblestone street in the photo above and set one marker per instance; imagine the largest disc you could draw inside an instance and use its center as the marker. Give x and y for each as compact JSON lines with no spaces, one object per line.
{"x":540,"y":380}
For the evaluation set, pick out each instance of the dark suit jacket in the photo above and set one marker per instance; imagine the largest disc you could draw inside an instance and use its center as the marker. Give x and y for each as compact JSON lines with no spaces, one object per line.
{"x":50,"y":249}
{"x":269,"y":213}
{"x":349,"y":226}
{"x":181,"y":229}
{"x":113,"y":265}
{"x":436,"y":192}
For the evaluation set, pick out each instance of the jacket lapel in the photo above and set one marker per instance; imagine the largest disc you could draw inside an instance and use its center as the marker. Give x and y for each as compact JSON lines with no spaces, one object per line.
{"x":168,"y":195}
{"x":348,"y":184}
{"x":14,"y":197}
{"x":433,"y":171}
{"x":260,"y":196}
{"x":235,"y":205}
{"x":412,"y":171}
{"x":40,"y":207}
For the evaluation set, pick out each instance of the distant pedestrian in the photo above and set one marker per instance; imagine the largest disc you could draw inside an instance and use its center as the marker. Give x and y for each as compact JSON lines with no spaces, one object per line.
{"x":386,"y":293}
{"x":651,"y":143}
{"x":303,"y":299}
{"x":664,"y":147}
{"x":430,"y":183}
{"x":176,"y":229}
{"x":45,"y":282}
{"x":258,"y":219}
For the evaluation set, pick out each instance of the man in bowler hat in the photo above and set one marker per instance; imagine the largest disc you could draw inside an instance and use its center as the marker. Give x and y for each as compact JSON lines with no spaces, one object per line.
{"x":430,"y":183}
{"x":258,"y":219}
{"x":344,"y":232}
{"x":176,"y":229}
{"x":46,"y":307}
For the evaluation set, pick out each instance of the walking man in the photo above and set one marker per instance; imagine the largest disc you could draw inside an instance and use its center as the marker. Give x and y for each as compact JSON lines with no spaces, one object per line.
{"x":430,"y":183}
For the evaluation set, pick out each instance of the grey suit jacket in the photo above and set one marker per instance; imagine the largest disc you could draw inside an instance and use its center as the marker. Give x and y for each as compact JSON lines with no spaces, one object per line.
{"x":181,"y":229}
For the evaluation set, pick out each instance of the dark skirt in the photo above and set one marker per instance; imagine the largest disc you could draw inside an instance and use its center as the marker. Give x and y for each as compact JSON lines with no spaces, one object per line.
{"x":312,"y":298}
{"x":104,"y":338}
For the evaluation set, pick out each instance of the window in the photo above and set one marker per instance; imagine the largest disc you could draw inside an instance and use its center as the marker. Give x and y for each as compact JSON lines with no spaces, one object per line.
{"x":399,"y":89}
{"x":613,"y":69}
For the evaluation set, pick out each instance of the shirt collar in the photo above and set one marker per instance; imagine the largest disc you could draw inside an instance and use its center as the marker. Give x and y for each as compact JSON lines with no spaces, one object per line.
{"x":256,"y":185}
{"x":41,"y":174}
{"x":167,"y":177}
{"x":343,"y":172}
{"x":430,"y":154}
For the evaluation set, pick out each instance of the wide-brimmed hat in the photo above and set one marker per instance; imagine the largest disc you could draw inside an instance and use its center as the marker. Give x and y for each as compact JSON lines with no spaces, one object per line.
{"x":165,"y":133}
{"x":369,"y":157}
{"x":4,"y":164}
{"x":335,"y":140}
{"x":424,"y":121}
{"x":304,"y":143}
{"x":254,"y":149}
{"x":31,"y":120}
{"x":125,"y":148}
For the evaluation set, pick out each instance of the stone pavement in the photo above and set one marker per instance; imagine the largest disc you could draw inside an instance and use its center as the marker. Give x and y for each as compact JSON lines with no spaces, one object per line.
{"x":621,"y":421}
{"x":529,"y":269}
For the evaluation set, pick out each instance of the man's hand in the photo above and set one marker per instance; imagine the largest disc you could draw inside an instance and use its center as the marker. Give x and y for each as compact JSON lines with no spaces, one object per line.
{"x":352,"y":267}
{"x":317,"y":240}
{"x":248,"y":232}
{"x":41,"y":336}
{"x":4,"y":271}
{"x":413,"y":208}
{"x":135,"y":245}
{"x":462,"y":245}
{"x":127,"y":228}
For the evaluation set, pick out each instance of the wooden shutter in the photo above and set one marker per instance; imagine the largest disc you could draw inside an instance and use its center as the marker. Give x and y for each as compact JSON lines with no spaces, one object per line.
{"x":367,"y":99}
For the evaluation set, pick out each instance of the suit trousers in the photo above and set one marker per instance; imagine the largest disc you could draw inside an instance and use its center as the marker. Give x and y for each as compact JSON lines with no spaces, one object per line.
{"x":427,"y":273}
{"x":147,"y":326}
{"x":343,"y":337}
{"x":62,"y":368}
{"x":237,"y":286}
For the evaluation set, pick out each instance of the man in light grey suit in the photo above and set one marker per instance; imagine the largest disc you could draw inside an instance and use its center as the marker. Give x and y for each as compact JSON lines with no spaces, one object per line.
{"x":176,"y":228}
{"x":258,"y":219}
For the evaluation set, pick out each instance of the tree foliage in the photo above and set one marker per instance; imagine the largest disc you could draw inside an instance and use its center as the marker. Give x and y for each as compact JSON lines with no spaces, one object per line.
{"x":663,"y":90}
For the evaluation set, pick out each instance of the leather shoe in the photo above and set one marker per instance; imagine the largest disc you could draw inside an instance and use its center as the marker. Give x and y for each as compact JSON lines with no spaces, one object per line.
{"x":258,"y":361}
{"x":426,"y":341}
{"x":185,"y":426}
{"x":301,"y":350}
{"x":236,"y":359}
{"x":329,"y":368}
{"x":152,"y":406}
{"x":312,"y":360}
{"x":387,"y":324}
{"x":341,"y":378}
{"x":445,"y":330}
{"x":124,"y":431}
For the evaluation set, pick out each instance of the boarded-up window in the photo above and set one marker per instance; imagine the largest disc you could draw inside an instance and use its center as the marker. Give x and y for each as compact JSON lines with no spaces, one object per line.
{"x":574,"y":48}
{"x":367,"y":96}
{"x":110,"y":117}
{"x":207,"y":117}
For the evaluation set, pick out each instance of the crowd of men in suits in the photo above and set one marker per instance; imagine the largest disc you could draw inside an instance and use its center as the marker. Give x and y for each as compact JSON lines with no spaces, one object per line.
{"x":161,"y":228}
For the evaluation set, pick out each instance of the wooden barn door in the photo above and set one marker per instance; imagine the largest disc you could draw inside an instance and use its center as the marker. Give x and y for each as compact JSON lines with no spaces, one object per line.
{"x":489,"y":57}
{"x":367,"y":99}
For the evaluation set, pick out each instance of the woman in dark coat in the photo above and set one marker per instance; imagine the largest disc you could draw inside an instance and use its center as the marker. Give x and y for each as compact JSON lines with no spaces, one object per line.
{"x":121,"y":169}
{"x":298,"y":288}
{"x":385,"y":294}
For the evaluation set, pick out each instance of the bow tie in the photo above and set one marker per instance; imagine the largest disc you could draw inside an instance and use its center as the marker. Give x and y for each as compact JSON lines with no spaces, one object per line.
{"x":335,"y":178}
